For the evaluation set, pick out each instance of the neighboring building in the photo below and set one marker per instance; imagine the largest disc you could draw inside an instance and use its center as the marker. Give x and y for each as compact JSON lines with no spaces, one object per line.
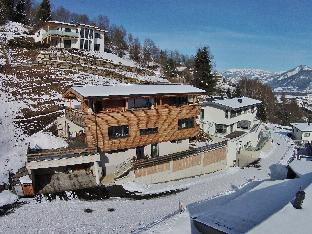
{"x":302,"y":131}
{"x":66,"y":35}
{"x":227,"y":116}
{"x":126,"y":121}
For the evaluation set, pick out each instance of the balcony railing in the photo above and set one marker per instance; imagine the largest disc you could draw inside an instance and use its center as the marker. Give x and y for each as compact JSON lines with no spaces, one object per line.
{"x":60,"y":33}
{"x":75,"y":116}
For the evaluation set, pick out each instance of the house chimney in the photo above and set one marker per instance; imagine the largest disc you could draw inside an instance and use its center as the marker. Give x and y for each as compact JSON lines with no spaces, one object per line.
{"x":240,"y":100}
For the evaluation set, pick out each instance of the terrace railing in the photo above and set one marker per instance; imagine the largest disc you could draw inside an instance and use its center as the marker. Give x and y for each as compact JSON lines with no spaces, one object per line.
{"x":175,"y":156}
{"x":76,"y":116}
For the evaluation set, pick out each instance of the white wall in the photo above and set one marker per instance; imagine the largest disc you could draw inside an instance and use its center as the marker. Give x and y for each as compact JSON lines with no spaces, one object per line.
{"x":215,"y":115}
{"x":299,"y":135}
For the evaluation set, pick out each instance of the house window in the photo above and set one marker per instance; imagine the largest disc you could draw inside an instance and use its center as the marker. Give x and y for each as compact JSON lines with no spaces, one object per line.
{"x":226,"y":114}
{"x":178,"y":101}
{"x":220,"y":128}
{"x":202,"y":114}
{"x":306,"y":134}
{"x":186,"y":123}
{"x":140,"y":103}
{"x":148,"y":131}
{"x":67,"y":44}
{"x":97,"y":35}
{"x":91,"y":34}
{"x":140,"y":153}
{"x":115,"y":132}
{"x":96,"y":47}
{"x":154,"y":150}
{"x":82,"y":31}
{"x":81,"y":44}
{"x":67,"y":30}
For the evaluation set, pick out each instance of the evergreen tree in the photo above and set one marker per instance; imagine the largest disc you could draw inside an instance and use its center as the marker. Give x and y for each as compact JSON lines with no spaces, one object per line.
{"x":228,"y":93}
{"x":261,"y":113}
{"x":203,"y":76}
{"x":170,"y":69}
{"x":44,"y":12}
{"x":20,"y":12}
{"x":3,"y":16}
{"x":7,"y":8}
{"x":238,"y":92}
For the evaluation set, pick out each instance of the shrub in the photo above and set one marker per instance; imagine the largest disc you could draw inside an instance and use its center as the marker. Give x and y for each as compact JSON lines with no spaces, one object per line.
{"x":27,"y":43}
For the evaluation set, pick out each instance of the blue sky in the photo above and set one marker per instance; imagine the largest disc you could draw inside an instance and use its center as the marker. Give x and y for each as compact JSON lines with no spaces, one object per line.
{"x":273,"y":35}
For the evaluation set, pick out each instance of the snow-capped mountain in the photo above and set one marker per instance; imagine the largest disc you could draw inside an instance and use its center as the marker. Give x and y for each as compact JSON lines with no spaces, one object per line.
{"x":298,"y":79}
{"x":235,"y":75}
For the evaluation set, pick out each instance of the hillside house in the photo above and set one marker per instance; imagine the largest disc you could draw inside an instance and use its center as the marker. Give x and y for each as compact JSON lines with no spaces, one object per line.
{"x":127,"y":121}
{"x":226,"y":116}
{"x":302,"y":131}
{"x":68,"y":36}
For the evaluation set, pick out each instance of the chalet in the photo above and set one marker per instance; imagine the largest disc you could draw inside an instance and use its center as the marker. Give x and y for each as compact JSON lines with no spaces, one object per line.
{"x":227,"y":116}
{"x":302,"y":131}
{"x":66,"y":35}
{"x":126,"y":121}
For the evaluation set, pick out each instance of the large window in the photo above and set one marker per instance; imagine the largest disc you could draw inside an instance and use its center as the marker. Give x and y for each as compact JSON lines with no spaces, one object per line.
{"x":140,"y":102}
{"x":116,"y":132}
{"x":177,"y":101}
{"x":67,"y":30}
{"x":186,"y":123}
{"x":148,"y":131}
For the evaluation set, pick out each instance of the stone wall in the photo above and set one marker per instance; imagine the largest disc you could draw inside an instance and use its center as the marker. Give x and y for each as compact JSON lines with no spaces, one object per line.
{"x":92,"y":65}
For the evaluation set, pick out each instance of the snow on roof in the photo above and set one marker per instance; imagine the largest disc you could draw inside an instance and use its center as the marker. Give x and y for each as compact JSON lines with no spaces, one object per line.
{"x":25,"y":180}
{"x":75,"y":25}
{"x":303,"y":127}
{"x":235,"y":103}
{"x":129,"y":90}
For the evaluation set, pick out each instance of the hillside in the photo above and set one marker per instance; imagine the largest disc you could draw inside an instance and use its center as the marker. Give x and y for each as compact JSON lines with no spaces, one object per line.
{"x":32,"y":82}
{"x":36,"y":78}
{"x":298,"y":79}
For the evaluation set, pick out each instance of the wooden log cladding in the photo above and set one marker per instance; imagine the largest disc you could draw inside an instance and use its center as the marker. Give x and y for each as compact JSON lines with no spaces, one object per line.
{"x":165,"y":119}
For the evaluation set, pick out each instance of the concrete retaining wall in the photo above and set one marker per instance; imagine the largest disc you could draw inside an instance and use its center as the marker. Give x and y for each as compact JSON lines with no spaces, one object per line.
{"x":202,"y":163}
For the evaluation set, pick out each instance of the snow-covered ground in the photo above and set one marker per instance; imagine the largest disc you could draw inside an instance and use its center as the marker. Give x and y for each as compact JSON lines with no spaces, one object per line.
{"x":151,"y":215}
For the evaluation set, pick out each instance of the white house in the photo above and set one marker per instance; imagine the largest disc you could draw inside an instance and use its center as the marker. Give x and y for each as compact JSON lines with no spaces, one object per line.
{"x":66,"y":35}
{"x":302,"y":131}
{"x":228,"y":115}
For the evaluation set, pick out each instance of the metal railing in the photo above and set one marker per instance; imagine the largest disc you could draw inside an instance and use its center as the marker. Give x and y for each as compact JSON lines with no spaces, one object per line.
{"x":175,"y":156}
{"x":60,"y":33}
{"x":51,"y":154}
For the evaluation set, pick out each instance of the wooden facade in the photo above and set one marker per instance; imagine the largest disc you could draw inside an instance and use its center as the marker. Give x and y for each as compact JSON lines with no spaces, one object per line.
{"x":164,"y":118}
{"x":161,"y":115}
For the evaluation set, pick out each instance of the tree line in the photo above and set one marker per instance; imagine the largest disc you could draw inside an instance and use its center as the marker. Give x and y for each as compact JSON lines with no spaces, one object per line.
{"x":281,"y":111}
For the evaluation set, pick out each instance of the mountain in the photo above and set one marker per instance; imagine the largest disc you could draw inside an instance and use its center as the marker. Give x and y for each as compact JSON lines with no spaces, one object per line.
{"x":235,"y":75}
{"x":298,"y":79}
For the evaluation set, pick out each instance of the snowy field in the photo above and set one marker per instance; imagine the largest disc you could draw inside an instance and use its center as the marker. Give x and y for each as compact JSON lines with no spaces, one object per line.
{"x":148,"y":215}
